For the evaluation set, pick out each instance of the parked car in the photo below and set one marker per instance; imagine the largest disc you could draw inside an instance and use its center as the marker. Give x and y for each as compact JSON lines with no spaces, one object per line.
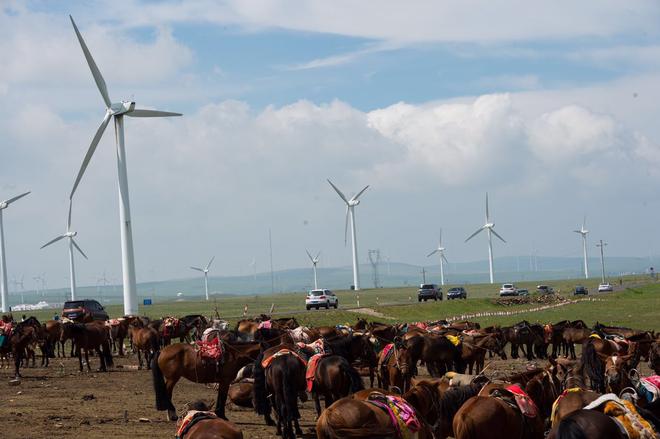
{"x":321,"y":299}
{"x":580,"y":290}
{"x":604,"y":288}
{"x":508,"y":290}
{"x":456,"y":293}
{"x":84,"y":310}
{"x":522,"y":291}
{"x":429,"y":291}
{"x":544,"y":289}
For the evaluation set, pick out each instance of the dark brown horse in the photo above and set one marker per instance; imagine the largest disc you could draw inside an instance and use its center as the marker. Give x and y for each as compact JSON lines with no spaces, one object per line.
{"x":181,"y":360}
{"x":395,"y":368}
{"x":334,"y":378}
{"x":654,"y":357}
{"x":587,"y":424}
{"x":145,"y":341}
{"x":440,"y":355}
{"x":90,"y":336}
{"x":283,"y":379}
{"x":474,"y":349}
{"x":53,"y":330}
{"x":23,"y":335}
{"x":210,"y":426}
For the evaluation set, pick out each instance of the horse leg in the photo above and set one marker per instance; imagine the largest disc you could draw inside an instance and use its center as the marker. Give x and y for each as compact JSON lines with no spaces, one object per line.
{"x":17,"y":363}
{"x":317,"y":404}
{"x":221,"y":399}
{"x":140,"y":359}
{"x":371,"y":376}
{"x":169,"y":387}
{"x":101,"y":359}
{"x":298,"y":429}
{"x":89,"y":369}
{"x":79,"y":354}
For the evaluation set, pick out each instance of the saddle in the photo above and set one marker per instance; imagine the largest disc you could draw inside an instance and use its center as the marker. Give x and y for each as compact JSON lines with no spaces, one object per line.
{"x":625,"y":414}
{"x":285,"y":351}
{"x":555,"y":404}
{"x":211,"y":350}
{"x":403,"y":416}
{"x":385,"y":354}
{"x":192,"y":418}
{"x":518,"y":399}
{"x":649,"y":388}
{"x":317,"y":347}
{"x":170,"y":326}
{"x":312,"y":364}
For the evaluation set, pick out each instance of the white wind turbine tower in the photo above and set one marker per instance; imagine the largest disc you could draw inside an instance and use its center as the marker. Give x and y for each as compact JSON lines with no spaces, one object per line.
{"x":117,"y":110}
{"x":583,"y":231}
{"x":441,"y":251}
{"x":315,"y":261}
{"x":72,"y":243}
{"x":489,"y":227}
{"x":205,"y":270}
{"x":350,"y":211}
{"x":4,"y":290}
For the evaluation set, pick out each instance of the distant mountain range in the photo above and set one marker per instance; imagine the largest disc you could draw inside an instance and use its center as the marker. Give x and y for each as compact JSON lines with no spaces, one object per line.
{"x":507,"y":269}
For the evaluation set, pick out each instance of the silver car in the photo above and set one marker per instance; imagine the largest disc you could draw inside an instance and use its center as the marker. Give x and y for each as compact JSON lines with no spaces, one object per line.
{"x":321,"y":299}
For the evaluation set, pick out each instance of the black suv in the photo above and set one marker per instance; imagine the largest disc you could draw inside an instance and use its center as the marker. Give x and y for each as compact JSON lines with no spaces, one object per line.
{"x":580,"y":290}
{"x":456,"y":293}
{"x":429,"y":291}
{"x":84,"y":310}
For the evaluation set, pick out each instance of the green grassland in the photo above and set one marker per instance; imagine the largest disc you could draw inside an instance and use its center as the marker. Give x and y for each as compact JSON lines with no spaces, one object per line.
{"x":636,"y":305}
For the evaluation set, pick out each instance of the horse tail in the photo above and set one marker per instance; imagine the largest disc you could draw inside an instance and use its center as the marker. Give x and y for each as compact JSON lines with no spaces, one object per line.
{"x":259,"y":393}
{"x":155,"y":344}
{"x":107,"y":353}
{"x":162,"y":397}
{"x":593,"y":366}
{"x":354,"y":376}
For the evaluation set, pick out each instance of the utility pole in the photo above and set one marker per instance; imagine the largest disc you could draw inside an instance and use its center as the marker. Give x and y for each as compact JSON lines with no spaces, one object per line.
{"x":272,"y":278}
{"x":602,"y":260}
{"x":423,"y":275}
{"x":374,"y":258}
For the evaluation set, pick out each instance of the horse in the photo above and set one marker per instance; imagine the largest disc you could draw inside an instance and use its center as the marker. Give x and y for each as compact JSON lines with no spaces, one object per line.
{"x":573,"y":336}
{"x":286,"y":322}
{"x":334,"y":378}
{"x":355,"y":417}
{"x":587,"y":424}
{"x":179,"y":328}
{"x":654,"y":357}
{"x":382,"y":331}
{"x":89,"y":336}
{"x":283,"y":378}
{"x":53,"y":330}
{"x":474,"y":350}
{"x":145,"y":340}
{"x":24,"y":334}
{"x":576,"y":395}
{"x":522,"y":335}
{"x":197,"y":322}
{"x":440,"y":355}
{"x":119,"y":329}
{"x":181,"y":360}
{"x":395,"y":367}
{"x":617,"y":372}
{"x":209,"y":426}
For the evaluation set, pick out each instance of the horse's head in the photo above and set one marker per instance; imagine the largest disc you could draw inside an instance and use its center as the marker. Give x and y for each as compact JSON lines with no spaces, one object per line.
{"x":496,"y":345}
{"x":617,"y":368}
{"x":547,"y":332}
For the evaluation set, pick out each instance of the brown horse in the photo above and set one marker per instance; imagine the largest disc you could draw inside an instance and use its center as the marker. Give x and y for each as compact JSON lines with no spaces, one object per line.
{"x":145,"y":341}
{"x":654,"y":357}
{"x":118,"y":333}
{"x":334,"y":378}
{"x":617,"y":372}
{"x":54,"y":336}
{"x":587,"y":424}
{"x":474,"y":350}
{"x":210,"y":426}
{"x":181,"y":360}
{"x":23,"y":335}
{"x":172,"y":328}
{"x":440,"y":355}
{"x":395,"y":369}
{"x":573,"y":336}
{"x":354,"y":417}
{"x":89,"y":336}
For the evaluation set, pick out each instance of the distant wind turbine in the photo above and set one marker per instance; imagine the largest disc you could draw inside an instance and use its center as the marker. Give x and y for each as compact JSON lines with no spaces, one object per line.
{"x":489,"y":227}
{"x":315,"y":260}
{"x":4,"y":290}
{"x":72,"y":243}
{"x":350,"y":212}
{"x":117,"y":111}
{"x":583,"y":231}
{"x":205,"y":270}
{"x":441,"y":251}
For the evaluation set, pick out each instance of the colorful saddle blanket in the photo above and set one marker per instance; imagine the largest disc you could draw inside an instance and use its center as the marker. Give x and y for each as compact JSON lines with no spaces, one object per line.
{"x":626,"y":415}
{"x":312,"y":364}
{"x":317,"y":346}
{"x":386,"y":353}
{"x":649,"y":388}
{"x":403,"y":416}
{"x":523,"y":401}
{"x":209,"y":349}
{"x":285,"y":351}
{"x":170,"y":326}
{"x":192,"y":418}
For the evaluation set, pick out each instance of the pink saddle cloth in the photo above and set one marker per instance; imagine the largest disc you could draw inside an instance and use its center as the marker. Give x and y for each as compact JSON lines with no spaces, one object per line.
{"x":525,"y":403}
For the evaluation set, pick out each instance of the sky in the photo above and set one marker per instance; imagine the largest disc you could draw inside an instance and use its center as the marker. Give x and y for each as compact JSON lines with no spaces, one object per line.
{"x":550,"y":107}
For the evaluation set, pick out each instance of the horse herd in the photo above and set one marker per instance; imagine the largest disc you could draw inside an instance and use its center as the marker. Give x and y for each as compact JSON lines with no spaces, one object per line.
{"x":272,"y":365}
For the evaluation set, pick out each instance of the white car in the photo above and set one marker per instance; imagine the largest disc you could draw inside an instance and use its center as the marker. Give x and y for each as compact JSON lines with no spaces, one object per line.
{"x":508,"y":290}
{"x":604,"y":288}
{"x":321,"y":299}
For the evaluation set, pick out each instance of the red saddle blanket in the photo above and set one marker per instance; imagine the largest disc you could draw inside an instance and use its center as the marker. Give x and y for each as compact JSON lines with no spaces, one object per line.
{"x":209,"y":349}
{"x":191,"y":418}
{"x":525,"y":403}
{"x":266,"y":361}
{"x":312,"y":364}
{"x":386,"y":353}
{"x":401,"y":413}
{"x":170,"y":326}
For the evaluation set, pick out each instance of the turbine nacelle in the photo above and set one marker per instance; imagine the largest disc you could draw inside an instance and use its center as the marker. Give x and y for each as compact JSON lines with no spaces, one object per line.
{"x":70,"y":234}
{"x":123,"y":107}
{"x":3,"y":205}
{"x":353,"y":202}
{"x":489,"y":225}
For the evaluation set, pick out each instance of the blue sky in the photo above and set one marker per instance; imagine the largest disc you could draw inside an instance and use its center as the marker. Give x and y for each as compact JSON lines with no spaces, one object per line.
{"x":550,"y":107}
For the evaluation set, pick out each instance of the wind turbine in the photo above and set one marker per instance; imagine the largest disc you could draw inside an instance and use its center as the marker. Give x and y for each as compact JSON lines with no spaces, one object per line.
{"x":583,"y":231}
{"x":315,"y":260}
{"x":489,"y":227}
{"x":117,"y":110}
{"x":350,"y":211}
{"x":72,"y":243}
{"x":205,"y":270}
{"x":4,"y":291}
{"x":441,"y":251}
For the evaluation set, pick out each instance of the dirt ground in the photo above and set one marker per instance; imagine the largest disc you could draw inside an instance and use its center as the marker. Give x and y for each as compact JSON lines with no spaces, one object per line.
{"x":59,"y":402}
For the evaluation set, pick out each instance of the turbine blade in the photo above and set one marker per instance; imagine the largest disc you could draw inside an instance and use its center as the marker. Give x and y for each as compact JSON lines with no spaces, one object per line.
{"x":444,"y":258}
{"x":198,"y":269}
{"x":309,"y":256}
{"x":151,"y":113}
{"x":75,"y":244}
{"x":487,"y":212}
{"x":578,"y":231}
{"x":52,"y":241}
{"x":584,"y":222}
{"x":11,"y":200}
{"x":360,"y":193}
{"x":338,"y":192}
{"x":432,"y":253}
{"x":90,"y":151}
{"x":96,"y":73}
{"x":474,"y":234}
{"x":317,"y":256}
{"x":210,"y":262}
{"x":68,"y":222}
{"x":346,"y":227}
{"x":440,"y":241}
{"x":495,"y":233}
